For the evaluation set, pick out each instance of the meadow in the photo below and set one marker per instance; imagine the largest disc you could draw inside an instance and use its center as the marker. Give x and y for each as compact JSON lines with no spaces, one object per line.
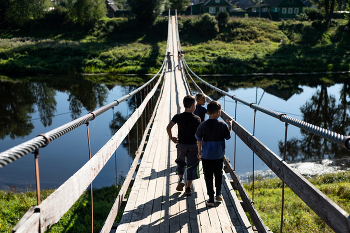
{"x":122,"y":46}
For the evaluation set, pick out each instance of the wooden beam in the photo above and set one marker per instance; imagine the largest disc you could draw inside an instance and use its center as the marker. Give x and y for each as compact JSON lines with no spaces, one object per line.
{"x":117,"y":204}
{"x":248,"y":203}
{"x":334,"y":216}
{"x":60,"y":201}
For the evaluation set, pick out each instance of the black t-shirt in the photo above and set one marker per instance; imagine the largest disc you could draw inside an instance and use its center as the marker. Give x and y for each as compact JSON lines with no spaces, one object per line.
{"x":187,"y":124}
{"x":200,"y":111}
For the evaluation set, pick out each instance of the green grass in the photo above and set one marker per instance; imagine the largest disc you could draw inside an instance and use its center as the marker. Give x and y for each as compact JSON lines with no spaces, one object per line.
{"x":13,"y":205}
{"x":298,"y":217}
{"x":120,"y":45}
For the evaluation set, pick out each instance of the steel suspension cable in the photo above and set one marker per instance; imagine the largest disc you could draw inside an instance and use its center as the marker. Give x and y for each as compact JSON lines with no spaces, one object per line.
{"x":325,"y":133}
{"x":22,"y":149}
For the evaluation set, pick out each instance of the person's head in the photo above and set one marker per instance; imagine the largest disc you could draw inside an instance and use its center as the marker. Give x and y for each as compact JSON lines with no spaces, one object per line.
{"x":200,"y":98}
{"x":189,"y":102}
{"x":168,"y":53}
{"x":178,"y":52}
{"x":214,"y":109}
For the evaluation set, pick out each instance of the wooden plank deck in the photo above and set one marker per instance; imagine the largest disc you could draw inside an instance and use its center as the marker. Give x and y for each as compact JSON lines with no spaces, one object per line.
{"x":154,"y":205}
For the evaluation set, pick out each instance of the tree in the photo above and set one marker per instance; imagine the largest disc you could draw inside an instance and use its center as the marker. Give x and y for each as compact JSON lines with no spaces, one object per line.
{"x":89,"y":11}
{"x":327,"y":7}
{"x":146,"y":11}
{"x":39,"y":8}
{"x":179,"y":4}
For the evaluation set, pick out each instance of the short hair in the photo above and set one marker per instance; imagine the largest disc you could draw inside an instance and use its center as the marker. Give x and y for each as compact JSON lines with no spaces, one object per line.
{"x":200,"y":96}
{"x":188,"y":101}
{"x":213,"y":107}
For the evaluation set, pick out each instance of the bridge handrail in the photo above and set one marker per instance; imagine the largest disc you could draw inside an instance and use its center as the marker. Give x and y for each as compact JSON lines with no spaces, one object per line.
{"x":60,"y":201}
{"x":333,"y":215}
{"x":325,"y":133}
{"x":24,"y":148}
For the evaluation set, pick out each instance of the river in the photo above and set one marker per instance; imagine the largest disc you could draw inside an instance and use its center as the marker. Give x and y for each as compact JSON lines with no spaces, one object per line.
{"x":31,"y":108}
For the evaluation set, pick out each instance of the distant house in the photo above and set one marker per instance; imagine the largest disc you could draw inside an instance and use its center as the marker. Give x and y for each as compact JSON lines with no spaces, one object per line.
{"x":243,"y":4}
{"x":285,"y":8}
{"x":111,"y":8}
{"x":209,"y":6}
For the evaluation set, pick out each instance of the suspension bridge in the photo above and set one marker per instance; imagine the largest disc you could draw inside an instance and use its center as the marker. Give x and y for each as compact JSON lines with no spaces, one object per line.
{"x":153,"y":204}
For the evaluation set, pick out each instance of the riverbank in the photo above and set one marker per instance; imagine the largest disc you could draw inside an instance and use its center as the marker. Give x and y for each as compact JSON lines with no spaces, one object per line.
{"x":13,"y":205}
{"x":267,"y":197}
{"x":119,"y":46}
{"x":298,"y":217}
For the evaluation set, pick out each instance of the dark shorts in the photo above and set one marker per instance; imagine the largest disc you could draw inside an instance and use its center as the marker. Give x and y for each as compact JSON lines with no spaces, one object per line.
{"x":187,"y":160}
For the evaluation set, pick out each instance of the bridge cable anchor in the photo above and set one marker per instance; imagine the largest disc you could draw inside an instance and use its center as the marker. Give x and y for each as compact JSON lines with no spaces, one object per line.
{"x":46,"y":138}
{"x":280,"y":115}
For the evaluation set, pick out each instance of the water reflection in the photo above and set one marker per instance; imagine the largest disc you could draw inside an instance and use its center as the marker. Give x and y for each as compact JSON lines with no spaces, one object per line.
{"x":323,"y":110}
{"x":19,"y":100}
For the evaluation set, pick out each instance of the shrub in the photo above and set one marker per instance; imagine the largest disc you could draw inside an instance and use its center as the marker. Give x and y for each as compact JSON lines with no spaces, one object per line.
{"x":302,"y":17}
{"x":319,"y":24}
{"x":222,"y":17}
{"x":313,"y":14}
{"x":207,"y":25}
{"x":347,"y":15}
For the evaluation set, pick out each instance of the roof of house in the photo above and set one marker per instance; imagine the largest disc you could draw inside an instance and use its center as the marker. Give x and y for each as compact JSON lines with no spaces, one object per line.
{"x":274,"y":3}
{"x":210,"y":0}
{"x":261,"y":5}
{"x":112,"y":5}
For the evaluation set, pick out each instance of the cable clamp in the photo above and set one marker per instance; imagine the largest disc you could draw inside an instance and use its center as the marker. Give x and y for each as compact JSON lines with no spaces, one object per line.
{"x":250,"y":105}
{"x":345,"y":141}
{"x":279,"y":116}
{"x":46,"y":138}
{"x":93,"y":114}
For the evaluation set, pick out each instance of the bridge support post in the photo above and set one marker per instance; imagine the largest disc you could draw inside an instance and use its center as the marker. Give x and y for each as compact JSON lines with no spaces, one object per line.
{"x":37,"y":175}
{"x":92,"y":198}
{"x":284,"y":158}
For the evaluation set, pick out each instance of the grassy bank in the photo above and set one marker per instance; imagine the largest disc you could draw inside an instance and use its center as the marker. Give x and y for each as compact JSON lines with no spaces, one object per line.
{"x":13,"y":205}
{"x":120,"y":45}
{"x":298,"y":217}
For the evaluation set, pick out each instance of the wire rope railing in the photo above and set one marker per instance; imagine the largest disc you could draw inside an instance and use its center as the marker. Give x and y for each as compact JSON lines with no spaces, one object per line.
{"x":325,"y":133}
{"x":46,"y":213}
{"x":334,"y":216}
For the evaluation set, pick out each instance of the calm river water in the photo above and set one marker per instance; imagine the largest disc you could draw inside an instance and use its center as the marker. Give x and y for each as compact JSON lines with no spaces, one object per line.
{"x":31,"y":108}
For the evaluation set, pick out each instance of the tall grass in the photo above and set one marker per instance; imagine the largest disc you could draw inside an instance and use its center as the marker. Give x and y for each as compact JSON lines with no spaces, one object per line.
{"x":298,"y":217}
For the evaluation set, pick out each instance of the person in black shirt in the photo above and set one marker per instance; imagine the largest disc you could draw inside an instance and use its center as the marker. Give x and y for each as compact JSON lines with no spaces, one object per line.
{"x":200,"y":110}
{"x":186,"y":142}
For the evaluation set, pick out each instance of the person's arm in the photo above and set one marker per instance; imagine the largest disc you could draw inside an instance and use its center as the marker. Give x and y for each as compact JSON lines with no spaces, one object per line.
{"x":168,"y":129}
{"x":229,"y":123}
{"x":199,"y":144}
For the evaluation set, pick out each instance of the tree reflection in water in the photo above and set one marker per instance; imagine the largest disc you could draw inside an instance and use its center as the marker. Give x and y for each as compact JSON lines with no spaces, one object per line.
{"x":20,"y":99}
{"x":135,"y":135}
{"x":321,"y":110}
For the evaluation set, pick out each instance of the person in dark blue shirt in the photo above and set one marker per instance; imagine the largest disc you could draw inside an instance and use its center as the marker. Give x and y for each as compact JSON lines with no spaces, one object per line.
{"x":211,"y":135}
{"x":200,"y":110}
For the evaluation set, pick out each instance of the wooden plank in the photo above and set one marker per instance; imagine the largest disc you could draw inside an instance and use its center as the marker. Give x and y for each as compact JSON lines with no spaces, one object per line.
{"x":259,"y":223}
{"x":117,"y":204}
{"x":174,"y":222}
{"x":59,"y":202}
{"x":194,"y":219}
{"x":334,"y":216}
{"x":238,"y":209}
{"x":201,"y":204}
{"x":29,"y":222}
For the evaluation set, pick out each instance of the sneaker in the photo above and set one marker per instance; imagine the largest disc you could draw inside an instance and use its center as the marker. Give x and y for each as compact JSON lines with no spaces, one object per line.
{"x":188,"y":191}
{"x":180,"y":185}
{"x":218,"y":197}
{"x":210,"y":202}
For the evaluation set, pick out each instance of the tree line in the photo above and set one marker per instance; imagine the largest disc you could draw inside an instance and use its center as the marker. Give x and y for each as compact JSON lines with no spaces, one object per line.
{"x":20,"y":13}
